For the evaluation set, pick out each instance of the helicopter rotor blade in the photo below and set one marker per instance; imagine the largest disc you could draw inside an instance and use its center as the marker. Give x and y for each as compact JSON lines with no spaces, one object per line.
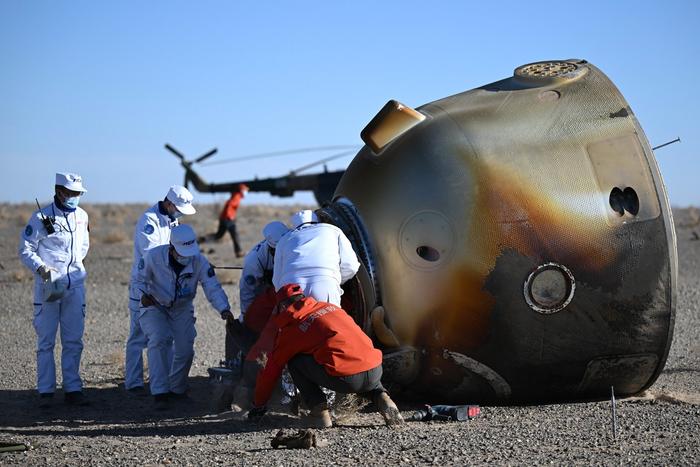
{"x":175,"y":151}
{"x":321,"y":161}
{"x":285,"y":153}
{"x":206,"y":156}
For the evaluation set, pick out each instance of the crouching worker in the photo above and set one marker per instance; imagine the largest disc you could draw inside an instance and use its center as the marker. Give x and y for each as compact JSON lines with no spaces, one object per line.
{"x":322,"y":347}
{"x":166,"y":284}
{"x":258,"y":299}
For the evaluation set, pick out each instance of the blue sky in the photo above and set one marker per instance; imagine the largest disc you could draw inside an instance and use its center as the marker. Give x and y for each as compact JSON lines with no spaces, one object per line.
{"x":99,"y":87}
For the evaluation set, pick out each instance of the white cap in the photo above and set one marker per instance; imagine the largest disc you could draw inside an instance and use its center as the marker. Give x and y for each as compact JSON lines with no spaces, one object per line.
{"x":71,"y":181}
{"x":183,"y":238}
{"x":303,"y":217}
{"x":181,"y":198}
{"x":273,"y":232}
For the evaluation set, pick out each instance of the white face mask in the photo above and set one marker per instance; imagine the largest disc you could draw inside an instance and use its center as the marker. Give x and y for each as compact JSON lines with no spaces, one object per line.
{"x":71,"y":202}
{"x":184,"y":260}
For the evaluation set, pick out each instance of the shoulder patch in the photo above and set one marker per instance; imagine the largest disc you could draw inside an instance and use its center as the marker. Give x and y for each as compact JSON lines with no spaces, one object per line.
{"x":142,"y":263}
{"x":148,"y":229}
{"x":211,"y":272}
{"x":28,"y":231}
{"x":249,"y":279}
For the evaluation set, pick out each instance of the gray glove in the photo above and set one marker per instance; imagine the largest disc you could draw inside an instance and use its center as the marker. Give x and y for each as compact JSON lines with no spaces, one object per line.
{"x":45,"y":272}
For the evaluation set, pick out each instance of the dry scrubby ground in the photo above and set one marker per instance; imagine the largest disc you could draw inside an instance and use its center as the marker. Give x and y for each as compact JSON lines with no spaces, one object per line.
{"x":660,"y":428}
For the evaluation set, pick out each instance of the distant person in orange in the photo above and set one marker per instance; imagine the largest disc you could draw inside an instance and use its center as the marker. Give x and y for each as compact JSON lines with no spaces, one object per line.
{"x":227,"y":218}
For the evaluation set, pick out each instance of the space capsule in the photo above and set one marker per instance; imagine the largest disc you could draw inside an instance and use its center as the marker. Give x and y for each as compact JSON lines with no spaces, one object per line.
{"x":516,"y":241}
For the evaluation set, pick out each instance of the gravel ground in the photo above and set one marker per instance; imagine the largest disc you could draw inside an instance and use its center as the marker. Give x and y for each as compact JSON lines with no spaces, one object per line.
{"x":659,"y":427}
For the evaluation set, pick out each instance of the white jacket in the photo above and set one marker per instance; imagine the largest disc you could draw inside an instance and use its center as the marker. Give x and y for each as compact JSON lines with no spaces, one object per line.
{"x":64,"y":250}
{"x":152,"y":229}
{"x":177,"y":291}
{"x":257,"y":264}
{"x":314,"y":251}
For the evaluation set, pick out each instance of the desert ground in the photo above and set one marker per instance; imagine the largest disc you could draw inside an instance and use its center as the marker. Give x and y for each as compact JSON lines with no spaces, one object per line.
{"x":659,"y":427}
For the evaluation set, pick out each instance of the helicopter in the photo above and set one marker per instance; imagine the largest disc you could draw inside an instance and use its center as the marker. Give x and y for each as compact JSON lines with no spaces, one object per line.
{"x":322,"y":184}
{"x":516,"y":241}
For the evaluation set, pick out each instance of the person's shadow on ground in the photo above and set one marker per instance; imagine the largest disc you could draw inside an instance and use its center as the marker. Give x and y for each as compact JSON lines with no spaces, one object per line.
{"x":111,"y":411}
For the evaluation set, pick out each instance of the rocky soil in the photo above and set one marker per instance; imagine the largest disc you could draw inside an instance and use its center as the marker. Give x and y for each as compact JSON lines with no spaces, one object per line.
{"x":659,"y":427}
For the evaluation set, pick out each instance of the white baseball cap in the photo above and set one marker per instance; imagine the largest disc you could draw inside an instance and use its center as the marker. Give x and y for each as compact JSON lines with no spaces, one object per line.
{"x":71,"y":181}
{"x":181,"y":198}
{"x":273,"y":232}
{"x":303,"y":217}
{"x":183,"y":238}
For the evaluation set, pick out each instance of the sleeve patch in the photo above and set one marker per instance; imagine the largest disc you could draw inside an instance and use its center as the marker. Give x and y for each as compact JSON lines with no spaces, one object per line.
{"x":148,"y":229}
{"x":28,"y":231}
{"x":249,"y":279}
{"x":211,"y":272}
{"x":142,"y":263}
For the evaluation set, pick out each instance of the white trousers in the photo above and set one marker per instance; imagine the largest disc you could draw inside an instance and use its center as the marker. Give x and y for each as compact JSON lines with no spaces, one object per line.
{"x":69,"y":313}
{"x":135,"y":344}
{"x":166,"y":332}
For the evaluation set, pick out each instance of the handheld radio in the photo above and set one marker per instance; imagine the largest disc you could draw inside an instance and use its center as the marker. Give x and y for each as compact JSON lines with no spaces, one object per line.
{"x":46,"y":221}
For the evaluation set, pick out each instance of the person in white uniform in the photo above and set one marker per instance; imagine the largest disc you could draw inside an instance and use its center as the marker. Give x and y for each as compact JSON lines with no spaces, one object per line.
{"x":258,"y":266}
{"x":317,"y":256}
{"x":257,"y":294}
{"x":53,"y":246}
{"x":166,"y":285}
{"x":152,"y":229}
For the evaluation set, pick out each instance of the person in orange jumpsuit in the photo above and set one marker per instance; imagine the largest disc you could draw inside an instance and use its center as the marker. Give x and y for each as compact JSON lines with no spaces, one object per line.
{"x":227,"y":218}
{"x":322,"y":347}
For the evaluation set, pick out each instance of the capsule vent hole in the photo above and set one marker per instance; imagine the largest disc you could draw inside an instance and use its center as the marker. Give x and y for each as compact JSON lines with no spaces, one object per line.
{"x":631,"y":201}
{"x":617,"y":201}
{"x":428,"y":253}
{"x":624,"y":200}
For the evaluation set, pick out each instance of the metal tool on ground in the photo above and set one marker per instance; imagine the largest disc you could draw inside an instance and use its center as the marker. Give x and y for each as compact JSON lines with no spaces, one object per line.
{"x":15,"y":447}
{"x":445,"y":413}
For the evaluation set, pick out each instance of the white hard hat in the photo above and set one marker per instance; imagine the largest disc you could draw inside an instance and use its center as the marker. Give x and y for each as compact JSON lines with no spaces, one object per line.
{"x":181,"y":198}
{"x":303,"y":217}
{"x":71,"y":181}
{"x":183,"y":238}
{"x":273,"y":232}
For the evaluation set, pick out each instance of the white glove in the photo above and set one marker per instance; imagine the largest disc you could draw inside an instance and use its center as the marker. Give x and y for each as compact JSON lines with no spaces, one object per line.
{"x":45,"y":272}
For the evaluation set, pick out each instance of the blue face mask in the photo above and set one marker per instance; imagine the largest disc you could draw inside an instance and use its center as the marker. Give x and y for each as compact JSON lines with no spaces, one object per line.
{"x":71,"y":202}
{"x":176,"y":215}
